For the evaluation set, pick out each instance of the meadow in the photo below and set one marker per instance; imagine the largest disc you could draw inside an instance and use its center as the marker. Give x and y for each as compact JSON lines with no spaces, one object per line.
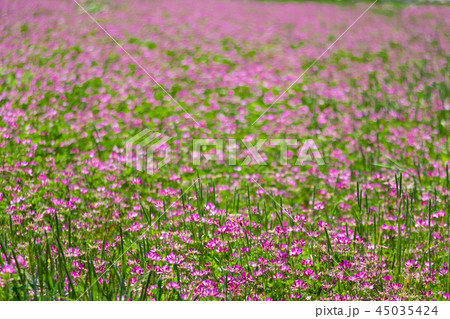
{"x":364,"y":217}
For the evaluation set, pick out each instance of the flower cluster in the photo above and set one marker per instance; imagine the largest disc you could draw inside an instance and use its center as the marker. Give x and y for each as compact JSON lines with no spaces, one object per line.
{"x":76,"y":222}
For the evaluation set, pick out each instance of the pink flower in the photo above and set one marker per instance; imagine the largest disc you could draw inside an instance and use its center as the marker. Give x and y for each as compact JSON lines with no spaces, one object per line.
{"x":153,"y":256}
{"x":137,"y":271}
{"x":174,"y":259}
{"x":308,"y":272}
{"x":173,"y":285}
{"x":319,"y":206}
{"x":298,"y":284}
{"x":295,"y":251}
{"x":300,"y":219}
{"x":135,"y":227}
{"x":438,"y":214}
{"x":9,"y":269}
{"x":72,"y":252}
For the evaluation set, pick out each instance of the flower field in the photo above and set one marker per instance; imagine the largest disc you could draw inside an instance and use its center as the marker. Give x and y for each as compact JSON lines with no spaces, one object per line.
{"x":338,"y":187}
